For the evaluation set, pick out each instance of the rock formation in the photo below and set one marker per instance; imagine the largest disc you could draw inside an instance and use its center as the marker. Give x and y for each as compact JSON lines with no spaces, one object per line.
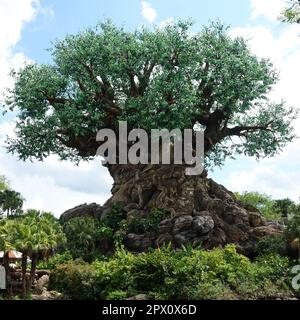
{"x":200,"y":210}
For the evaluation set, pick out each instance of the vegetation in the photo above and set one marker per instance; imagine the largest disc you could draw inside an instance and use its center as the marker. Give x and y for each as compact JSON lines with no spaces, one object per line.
{"x":168,"y":274}
{"x":11,"y":202}
{"x":36,"y":235}
{"x":292,"y":12}
{"x":277,"y":210}
{"x":87,"y":237}
{"x":166,"y":78}
{"x":149,"y":223}
{"x":3,"y":183}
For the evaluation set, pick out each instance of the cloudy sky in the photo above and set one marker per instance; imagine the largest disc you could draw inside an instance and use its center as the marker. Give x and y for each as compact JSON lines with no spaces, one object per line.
{"x":27,"y":28}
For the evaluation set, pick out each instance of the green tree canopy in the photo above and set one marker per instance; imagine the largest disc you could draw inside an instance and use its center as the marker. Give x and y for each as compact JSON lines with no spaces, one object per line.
{"x":11,"y":201}
{"x":35,"y":234}
{"x":3,"y":183}
{"x":292,"y":12}
{"x":165,"y":78}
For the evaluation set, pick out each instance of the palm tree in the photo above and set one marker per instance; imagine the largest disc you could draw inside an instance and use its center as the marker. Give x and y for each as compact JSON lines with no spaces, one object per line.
{"x":34,"y":234}
{"x":44,"y":236}
{"x":11,"y":201}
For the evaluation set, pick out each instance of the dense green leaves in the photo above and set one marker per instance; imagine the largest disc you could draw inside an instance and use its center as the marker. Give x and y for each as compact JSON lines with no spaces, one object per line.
{"x":262,"y":202}
{"x":168,"y":274}
{"x":4,"y":185}
{"x":33,"y":232}
{"x":11,"y":202}
{"x":165,"y":78}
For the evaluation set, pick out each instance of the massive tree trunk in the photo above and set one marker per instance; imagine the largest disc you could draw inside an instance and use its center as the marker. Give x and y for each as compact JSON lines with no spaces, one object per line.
{"x":199,"y":211}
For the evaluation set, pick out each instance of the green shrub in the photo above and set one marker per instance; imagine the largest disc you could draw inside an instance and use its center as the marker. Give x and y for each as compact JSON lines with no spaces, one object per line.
{"x":55,"y":260}
{"x":113,"y":219}
{"x":148,"y":224}
{"x":182,"y":274}
{"x":292,"y":230}
{"x":87,"y":238}
{"x":272,"y":245}
{"x":262,"y":202}
{"x":75,"y":279}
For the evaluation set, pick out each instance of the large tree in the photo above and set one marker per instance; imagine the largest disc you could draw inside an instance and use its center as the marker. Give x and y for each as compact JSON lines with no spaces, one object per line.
{"x":162,"y":78}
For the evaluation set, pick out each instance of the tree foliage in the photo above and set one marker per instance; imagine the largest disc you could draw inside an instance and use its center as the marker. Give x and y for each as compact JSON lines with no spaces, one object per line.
{"x":11,"y":202}
{"x":164,"y":78}
{"x":166,"y":274}
{"x":3,"y":183}
{"x":292,"y":12}
{"x":262,"y":202}
{"x":35,"y":234}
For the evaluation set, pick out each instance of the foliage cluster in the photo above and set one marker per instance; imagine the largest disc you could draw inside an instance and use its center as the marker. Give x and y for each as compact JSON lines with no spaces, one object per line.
{"x":167,"y":274}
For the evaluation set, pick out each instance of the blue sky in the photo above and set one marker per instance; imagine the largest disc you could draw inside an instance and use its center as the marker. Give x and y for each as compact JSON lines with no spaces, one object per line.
{"x":29,"y":26}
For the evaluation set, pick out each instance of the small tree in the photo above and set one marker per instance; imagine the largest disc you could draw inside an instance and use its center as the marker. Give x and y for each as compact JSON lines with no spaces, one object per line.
{"x":11,"y":202}
{"x":34,"y":234}
{"x":262,"y":202}
{"x":4,"y":185}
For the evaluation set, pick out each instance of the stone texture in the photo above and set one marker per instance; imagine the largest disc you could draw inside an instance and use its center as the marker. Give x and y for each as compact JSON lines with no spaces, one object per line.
{"x":139,"y":242}
{"x":202,"y":225}
{"x":200,"y":209}
{"x":93,"y":210}
{"x":182,"y":223}
{"x":41,"y":283}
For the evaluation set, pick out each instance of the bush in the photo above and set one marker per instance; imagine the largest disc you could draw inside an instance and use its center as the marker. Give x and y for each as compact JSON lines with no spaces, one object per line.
{"x":87,"y":237}
{"x":182,"y":274}
{"x":75,"y":279}
{"x":113,"y":219}
{"x":262,"y":202}
{"x":148,"y":224}
{"x":272,"y":245}
{"x":292,"y":230}
{"x":55,"y":260}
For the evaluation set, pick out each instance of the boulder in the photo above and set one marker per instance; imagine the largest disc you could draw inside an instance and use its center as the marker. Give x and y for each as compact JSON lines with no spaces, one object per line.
{"x":83,"y":210}
{"x":182,"y":223}
{"x":41,"y":284}
{"x":139,"y":242}
{"x":202,"y":225}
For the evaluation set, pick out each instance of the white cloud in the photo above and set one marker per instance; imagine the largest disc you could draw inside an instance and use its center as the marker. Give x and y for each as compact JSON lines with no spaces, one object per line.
{"x":13,"y":15}
{"x":278,"y":176}
{"x":283,"y":50}
{"x":56,"y":186}
{"x":270,"y":9}
{"x":148,"y":12}
{"x":166,"y":22}
{"x":50,"y":185}
{"x":53,"y":185}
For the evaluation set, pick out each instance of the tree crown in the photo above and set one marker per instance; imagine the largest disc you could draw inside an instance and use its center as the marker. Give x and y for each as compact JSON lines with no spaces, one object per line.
{"x":165,"y":78}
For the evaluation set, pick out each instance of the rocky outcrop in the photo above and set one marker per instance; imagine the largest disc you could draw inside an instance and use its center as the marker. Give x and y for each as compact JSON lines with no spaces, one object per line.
{"x":41,"y":284}
{"x":83,"y":210}
{"x":200,"y":210}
